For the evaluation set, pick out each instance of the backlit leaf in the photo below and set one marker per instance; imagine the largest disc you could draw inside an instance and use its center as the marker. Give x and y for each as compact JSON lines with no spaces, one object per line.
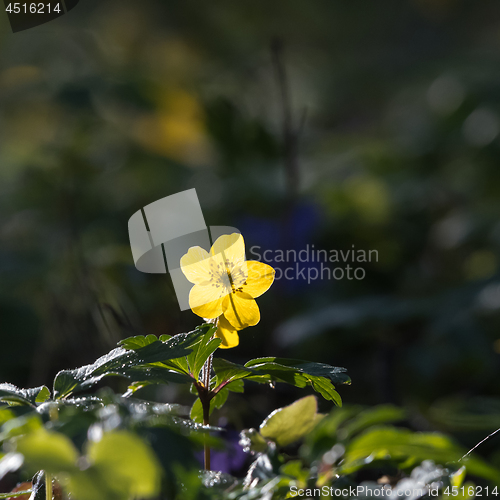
{"x":13,"y":395}
{"x":287,"y":425}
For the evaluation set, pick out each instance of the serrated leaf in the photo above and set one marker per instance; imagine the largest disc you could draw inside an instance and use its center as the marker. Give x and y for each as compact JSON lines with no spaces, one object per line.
{"x":179,"y":364}
{"x":158,"y":351}
{"x":130,"y":364}
{"x":43,"y":395}
{"x":289,"y":424}
{"x":15,"y":396}
{"x":134,"y":343}
{"x":143,"y":376}
{"x":324,"y":387}
{"x":227,"y":372}
{"x":202,"y":351}
{"x":69,"y":381}
{"x":301,"y":374}
{"x":290,"y":371}
{"x":336,"y":374}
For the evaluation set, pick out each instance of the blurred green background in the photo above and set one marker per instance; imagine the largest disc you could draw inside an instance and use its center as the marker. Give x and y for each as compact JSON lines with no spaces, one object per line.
{"x":393,"y":145}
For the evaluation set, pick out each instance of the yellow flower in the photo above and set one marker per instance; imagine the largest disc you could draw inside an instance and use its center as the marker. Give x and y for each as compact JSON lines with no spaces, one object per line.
{"x":227,"y":333}
{"x":226,"y":285}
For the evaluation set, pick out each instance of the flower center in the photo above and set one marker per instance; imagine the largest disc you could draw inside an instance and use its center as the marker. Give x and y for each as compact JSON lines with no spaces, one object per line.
{"x":227,"y":275}
{"x":236,"y":276}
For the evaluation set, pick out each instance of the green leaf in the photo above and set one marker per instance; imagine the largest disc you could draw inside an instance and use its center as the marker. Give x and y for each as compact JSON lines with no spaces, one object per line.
{"x":401,"y":444}
{"x":324,"y":387}
{"x":236,"y":386}
{"x":177,"y":363}
{"x":344,"y":423}
{"x":177,"y":346}
{"x":134,"y":343}
{"x":219,"y":399}
{"x":89,"y":484}
{"x":458,"y":477}
{"x":290,"y":371}
{"x":30,"y":397}
{"x":48,"y":450}
{"x":301,"y":373}
{"x":43,"y":395}
{"x":15,"y":494}
{"x":143,"y":376}
{"x":196,"y":413}
{"x":120,"y":466}
{"x":227,"y":371}
{"x":6,"y":414}
{"x":289,"y":424}
{"x":127,"y":463}
{"x":295,"y":469}
{"x":374,"y":416}
{"x":181,"y":364}
{"x":335,"y":374}
{"x":69,"y":381}
{"x":202,"y":351}
{"x":130,"y":363}
{"x":21,"y":426}
{"x":326,"y":433}
{"x":152,"y":374}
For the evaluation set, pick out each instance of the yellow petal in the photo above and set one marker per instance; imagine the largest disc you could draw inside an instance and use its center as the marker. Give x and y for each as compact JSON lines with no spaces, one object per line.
{"x":206,"y":301}
{"x":231,"y":247}
{"x":227,"y":333}
{"x":260,"y":277}
{"x":241,"y":310}
{"x":196,"y":265}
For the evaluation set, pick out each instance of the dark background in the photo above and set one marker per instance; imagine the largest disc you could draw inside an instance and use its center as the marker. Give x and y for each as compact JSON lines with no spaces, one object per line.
{"x":386,"y":138}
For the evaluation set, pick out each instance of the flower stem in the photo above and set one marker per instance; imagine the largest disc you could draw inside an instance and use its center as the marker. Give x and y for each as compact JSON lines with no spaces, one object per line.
{"x":206,"y":446}
{"x":205,"y":403}
{"x":48,"y":486}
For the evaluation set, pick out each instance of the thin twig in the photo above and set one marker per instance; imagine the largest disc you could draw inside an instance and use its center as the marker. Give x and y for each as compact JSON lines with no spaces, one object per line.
{"x":480,"y":443}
